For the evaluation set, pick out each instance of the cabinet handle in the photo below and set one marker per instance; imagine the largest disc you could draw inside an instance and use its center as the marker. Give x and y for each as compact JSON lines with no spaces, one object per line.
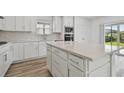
{"x":5,"y":58}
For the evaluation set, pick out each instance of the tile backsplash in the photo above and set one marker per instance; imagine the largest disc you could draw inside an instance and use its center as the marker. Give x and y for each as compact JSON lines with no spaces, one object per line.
{"x":25,"y":36}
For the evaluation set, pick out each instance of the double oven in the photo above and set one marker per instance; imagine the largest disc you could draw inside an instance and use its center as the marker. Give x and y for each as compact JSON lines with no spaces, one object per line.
{"x":69,"y":34}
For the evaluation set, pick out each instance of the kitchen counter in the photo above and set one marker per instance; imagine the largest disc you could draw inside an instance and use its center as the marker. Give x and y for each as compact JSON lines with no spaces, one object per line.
{"x":70,"y":59}
{"x":90,"y":51}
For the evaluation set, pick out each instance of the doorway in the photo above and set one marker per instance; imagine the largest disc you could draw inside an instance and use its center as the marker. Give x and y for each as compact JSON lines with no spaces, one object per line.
{"x":113,"y":40}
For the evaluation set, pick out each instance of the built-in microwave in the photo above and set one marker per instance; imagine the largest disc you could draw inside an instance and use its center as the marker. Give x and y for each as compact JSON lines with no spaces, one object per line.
{"x":69,"y":29}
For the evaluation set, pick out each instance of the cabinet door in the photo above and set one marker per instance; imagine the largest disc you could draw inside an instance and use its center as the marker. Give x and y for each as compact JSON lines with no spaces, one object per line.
{"x":68,"y":21}
{"x":30,"y":50}
{"x":57,"y":24}
{"x":102,"y":71}
{"x":75,"y":72}
{"x":49,"y":60}
{"x":1,"y":65}
{"x":1,"y":24}
{"x":27,"y":23}
{"x":20,"y":23}
{"x":18,"y":51}
{"x":9,"y":23}
{"x":42,"y":49}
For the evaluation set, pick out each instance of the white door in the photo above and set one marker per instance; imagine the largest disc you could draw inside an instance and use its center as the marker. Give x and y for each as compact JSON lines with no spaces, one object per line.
{"x":9,"y":23}
{"x":18,"y":51}
{"x":31,"y":50}
{"x":20,"y":23}
{"x":42,"y":49}
{"x":27,"y":23}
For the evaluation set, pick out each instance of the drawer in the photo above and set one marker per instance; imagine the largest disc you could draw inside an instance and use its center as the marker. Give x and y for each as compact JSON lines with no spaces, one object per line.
{"x":75,"y":72}
{"x":55,"y":72}
{"x":99,"y":62}
{"x":76,"y":61}
{"x":60,"y":64}
{"x":60,"y":53}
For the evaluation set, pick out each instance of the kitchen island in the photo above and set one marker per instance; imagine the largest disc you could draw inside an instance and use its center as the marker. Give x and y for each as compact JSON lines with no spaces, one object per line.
{"x":74,"y":59}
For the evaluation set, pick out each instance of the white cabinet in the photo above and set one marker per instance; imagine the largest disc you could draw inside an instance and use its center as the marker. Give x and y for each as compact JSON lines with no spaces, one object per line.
{"x":27,"y":21}
{"x":18,"y":51}
{"x":30,"y":50}
{"x":1,"y":65}
{"x":59,"y":60}
{"x":49,"y":60}
{"x":68,"y":21}
{"x":103,"y":71}
{"x":20,"y":23}
{"x":82,"y":28}
{"x":1,"y":24}
{"x":75,"y":72}
{"x":9,"y":23}
{"x":42,"y":49}
{"x":5,"y":59}
{"x":57,"y":24}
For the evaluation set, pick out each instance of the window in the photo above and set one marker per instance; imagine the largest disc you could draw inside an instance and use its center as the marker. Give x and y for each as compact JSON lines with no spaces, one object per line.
{"x":43,"y":28}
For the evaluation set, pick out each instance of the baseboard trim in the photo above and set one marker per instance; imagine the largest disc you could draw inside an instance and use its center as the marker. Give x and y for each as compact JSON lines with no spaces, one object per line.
{"x":28,"y":59}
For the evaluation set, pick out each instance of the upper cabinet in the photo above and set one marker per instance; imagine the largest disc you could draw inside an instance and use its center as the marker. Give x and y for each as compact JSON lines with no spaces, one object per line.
{"x":27,"y":23}
{"x":1,"y":24}
{"x":9,"y":23}
{"x":68,"y":21}
{"x":57,"y":24}
{"x":20,"y":23}
{"x":23,"y":23}
{"x":16,"y":23}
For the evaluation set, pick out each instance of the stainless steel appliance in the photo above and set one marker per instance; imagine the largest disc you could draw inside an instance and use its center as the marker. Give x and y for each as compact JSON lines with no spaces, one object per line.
{"x":69,"y":30}
{"x":69,"y":34}
{"x":69,"y":37}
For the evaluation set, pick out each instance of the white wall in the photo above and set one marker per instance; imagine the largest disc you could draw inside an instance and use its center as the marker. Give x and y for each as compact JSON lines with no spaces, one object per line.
{"x":82,"y":29}
{"x":97,"y":35}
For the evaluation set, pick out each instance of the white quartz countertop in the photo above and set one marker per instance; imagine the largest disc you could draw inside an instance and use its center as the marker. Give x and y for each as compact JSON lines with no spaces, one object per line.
{"x":90,"y":51}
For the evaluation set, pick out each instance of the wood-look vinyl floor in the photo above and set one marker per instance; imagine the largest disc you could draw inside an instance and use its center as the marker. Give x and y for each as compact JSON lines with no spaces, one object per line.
{"x":33,"y":68}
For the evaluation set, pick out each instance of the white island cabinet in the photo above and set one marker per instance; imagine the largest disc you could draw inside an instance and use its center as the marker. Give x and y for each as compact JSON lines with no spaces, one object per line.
{"x":77,"y":60}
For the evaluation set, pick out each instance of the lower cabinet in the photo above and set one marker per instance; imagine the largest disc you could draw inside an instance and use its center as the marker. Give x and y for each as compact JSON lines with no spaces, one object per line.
{"x":49,"y":60}
{"x":18,"y":51}
{"x":75,"y":72}
{"x":25,"y":50}
{"x":42,"y":49}
{"x":30,"y":50}
{"x":5,"y":60}
{"x":66,"y":64}
{"x":1,"y":65}
{"x":103,"y":71}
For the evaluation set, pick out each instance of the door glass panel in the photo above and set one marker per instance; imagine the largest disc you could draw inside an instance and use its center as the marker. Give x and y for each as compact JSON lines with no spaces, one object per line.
{"x":114,"y":37}
{"x":121,"y":38}
{"x":107,"y":30}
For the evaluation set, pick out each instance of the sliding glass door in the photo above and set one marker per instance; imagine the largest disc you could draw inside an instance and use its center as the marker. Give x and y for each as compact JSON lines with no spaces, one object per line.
{"x":114,"y":36}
